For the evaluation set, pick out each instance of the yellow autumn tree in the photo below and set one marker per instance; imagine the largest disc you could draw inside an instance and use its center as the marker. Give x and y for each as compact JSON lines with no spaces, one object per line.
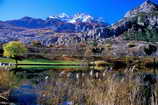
{"x":14,"y":50}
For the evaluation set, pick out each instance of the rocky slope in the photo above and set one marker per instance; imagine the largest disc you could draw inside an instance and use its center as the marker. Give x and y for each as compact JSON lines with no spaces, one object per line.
{"x":147,"y":7}
{"x":139,"y":24}
{"x":55,"y":30}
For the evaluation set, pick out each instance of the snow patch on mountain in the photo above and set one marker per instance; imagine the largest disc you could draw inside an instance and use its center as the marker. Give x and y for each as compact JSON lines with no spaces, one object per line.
{"x":79,"y":17}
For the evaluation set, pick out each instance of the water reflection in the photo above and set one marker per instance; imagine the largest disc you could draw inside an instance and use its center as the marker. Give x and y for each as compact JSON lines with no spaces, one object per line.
{"x":24,"y":95}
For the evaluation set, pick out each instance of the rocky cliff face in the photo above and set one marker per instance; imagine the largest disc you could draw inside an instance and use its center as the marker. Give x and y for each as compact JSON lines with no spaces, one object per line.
{"x":140,"y":23}
{"x":147,"y":7}
{"x":141,"y":20}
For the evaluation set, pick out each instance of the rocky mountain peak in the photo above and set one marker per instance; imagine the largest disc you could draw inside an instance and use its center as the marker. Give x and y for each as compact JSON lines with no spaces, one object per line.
{"x":76,"y":18}
{"x":147,"y":7}
{"x":60,"y":16}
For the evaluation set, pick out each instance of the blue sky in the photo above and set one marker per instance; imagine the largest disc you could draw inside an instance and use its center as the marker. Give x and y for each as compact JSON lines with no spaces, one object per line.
{"x":110,"y":10}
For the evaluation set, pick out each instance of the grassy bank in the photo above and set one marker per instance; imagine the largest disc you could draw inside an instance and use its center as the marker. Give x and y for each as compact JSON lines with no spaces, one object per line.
{"x":37,"y":61}
{"x":42,"y":63}
{"x":48,"y":67}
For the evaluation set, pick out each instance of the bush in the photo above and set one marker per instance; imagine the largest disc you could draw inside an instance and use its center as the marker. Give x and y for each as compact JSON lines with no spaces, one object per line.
{"x":108,"y":46}
{"x":150,"y":49}
{"x":36,"y":43}
{"x":131,"y":44}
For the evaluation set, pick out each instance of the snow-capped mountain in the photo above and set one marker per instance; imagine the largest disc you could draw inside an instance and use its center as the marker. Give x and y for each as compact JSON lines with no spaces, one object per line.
{"x":62,"y":17}
{"x":140,"y":23}
{"x":79,"y":17}
{"x":60,"y":23}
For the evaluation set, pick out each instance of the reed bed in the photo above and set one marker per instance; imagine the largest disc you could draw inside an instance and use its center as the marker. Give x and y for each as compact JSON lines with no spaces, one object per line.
{"x":111,"y":90}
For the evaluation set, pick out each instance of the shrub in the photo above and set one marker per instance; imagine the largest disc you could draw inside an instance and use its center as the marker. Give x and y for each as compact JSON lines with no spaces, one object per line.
{"x":131,"y":44}
{"x":150,"y":49}
{"x":36,"y":43}
{"x":108,"y":46}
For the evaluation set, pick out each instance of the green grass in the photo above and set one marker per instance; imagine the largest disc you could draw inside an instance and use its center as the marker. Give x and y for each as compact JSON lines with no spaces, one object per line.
{"x":50,"y":67}
{"x":41,"y":61}
{"x":37,"y":61}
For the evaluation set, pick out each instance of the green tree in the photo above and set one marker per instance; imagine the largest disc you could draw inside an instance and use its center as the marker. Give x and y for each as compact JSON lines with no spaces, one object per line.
{"x":14,"y":50}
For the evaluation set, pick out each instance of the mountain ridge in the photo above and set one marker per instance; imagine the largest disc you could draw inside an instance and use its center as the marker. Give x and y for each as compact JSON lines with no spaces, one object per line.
{"x":79,"y":17}
{"x":146,"y":7}
{"x":60,"y":30}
